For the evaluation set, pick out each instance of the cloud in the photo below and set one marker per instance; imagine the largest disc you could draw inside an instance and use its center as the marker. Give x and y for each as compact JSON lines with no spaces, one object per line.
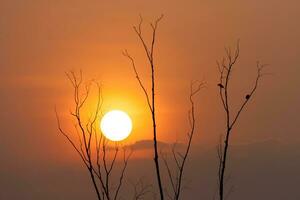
{"x":148,"y":144}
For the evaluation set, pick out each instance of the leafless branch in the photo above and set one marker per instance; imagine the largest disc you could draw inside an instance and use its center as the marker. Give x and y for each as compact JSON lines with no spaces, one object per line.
{"x":125,"y":53}
{"x":125,"y":161}
{"x":141,"y":189}
{"x":181,"y":158}
{"x":91,"y":145}
{"x":150,"y":98}
{"x":225,"y":69}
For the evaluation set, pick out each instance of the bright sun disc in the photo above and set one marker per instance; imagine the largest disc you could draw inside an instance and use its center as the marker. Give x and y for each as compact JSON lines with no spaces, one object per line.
{"x":116,"y":125}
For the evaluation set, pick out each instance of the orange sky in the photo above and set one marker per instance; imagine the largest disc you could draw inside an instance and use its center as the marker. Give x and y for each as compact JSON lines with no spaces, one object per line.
{"x":40,"y":40}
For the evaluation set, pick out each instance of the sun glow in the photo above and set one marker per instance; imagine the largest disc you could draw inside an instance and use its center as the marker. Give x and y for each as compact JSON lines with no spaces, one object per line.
{"x":116,"y":125}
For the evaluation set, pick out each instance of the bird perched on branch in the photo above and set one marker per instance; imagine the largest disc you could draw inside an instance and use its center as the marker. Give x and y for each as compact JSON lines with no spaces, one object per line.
{"x":220,"y":85}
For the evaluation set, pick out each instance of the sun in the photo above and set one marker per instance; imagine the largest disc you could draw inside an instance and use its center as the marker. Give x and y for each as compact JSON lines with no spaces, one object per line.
{"x":116,"y":125}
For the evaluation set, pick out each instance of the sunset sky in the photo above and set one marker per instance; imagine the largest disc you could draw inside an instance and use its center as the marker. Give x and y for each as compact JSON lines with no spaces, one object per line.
{"x":42,"y":39}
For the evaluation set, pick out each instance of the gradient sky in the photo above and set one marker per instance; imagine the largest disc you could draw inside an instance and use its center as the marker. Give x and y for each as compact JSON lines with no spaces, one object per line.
{"x":41,"y":39}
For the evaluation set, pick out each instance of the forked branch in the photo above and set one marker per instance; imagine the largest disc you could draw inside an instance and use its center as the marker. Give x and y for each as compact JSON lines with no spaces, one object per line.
{"x":179,"y":158}
{"x":150,"y":98}
{"x":92,"y":147}
{"x":225,"y":69}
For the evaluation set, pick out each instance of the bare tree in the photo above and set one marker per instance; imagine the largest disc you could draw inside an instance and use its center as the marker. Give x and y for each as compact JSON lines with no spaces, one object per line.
{"x":141,"y":189}
{"x":225,"y":68}
{"x":97,"y":155}
{"x":149,"y":50}
{"x":180,"y":158}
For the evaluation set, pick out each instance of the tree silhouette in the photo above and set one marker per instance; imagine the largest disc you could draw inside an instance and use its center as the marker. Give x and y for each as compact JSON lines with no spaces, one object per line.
{"x":179,"y":158}
{"x":225,"y":70}
{"x":149,"y":50}
{"x":176,"y":176}
{"x":98,"y":156}
{"x":141,"y":189}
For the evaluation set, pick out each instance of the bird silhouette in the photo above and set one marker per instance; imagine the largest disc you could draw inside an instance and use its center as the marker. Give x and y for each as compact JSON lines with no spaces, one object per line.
{"x":220,"y":85}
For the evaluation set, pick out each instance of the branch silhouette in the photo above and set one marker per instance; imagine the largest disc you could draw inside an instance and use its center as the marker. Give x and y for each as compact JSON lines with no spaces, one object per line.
{"x":225,"y":70}
{"x":141,"y":189}
{"x":150,"y":98}
{"x":98,"y":156}
{"x":179,"y":158}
